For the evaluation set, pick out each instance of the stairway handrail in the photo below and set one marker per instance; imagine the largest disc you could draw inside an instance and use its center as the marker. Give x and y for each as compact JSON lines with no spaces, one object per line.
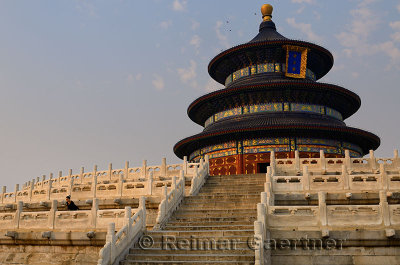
{"x":120,"y":242}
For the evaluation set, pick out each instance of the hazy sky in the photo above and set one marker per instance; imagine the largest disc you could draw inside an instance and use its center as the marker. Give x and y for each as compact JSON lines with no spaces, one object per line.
{"x":93,"y":82}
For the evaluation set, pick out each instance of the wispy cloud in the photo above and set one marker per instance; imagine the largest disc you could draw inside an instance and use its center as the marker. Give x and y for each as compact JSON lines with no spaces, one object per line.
{"x":132,"y":78}
{"x":356,"y":40}
{"x":85,"y":7}
{"x":179,"y":5}
{"x":396,"y":27}
{"x":212,"y":85}
{"x":158,"y":82}
{"x":305,"y":29}
{"x":195,"y":41}
{"x":165,"y":24}
{"x":188,"y":75}
{"x":195,"y":25}
{"x":223,"y":39}
{"x":303,"y":1}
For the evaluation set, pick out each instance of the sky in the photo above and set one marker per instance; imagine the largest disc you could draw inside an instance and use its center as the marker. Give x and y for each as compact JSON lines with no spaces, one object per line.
{"x":98,"y":82}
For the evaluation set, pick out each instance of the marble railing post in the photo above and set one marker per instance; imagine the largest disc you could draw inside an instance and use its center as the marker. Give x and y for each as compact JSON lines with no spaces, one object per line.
{"x":384,"y":177}
{"x":297,"y":161}
{"x":16,"y":192}
{"x":94,"y":187}
{"x":95,"y":208}
{"x":110,"y":168}
{"x":372,"y":160}
{"x":52,"y":214}
{"x":396,"y":160}
{"x":306,"y":178}
{"x":347,"y":160}
{"x":70,"y":186}
{"x":264,"y":198}
{"x":144,"y":169}
{"x":32,"y":186}
{"x":259,"y":241}
{"x":4,"y":190}
{"x":322,"y":161}
{"x":20,"y":206}
{"x":142,"y":206}
{"x":120,"y":186}
{"x":128,"y":217}
{"x":346,"y":178}
{"x":126,"y":170}
{"x":261,"y":216}
{"x":272,"y":163}
{"x":268,"y":177}
{"x":163,"y":169}
{"x":110,"y":238}
{"x":173,"y":182}
{"x":43,"y":178}
{"x":150,"y":184}
{"x":49,"y":187}
{"x":323,"y":213}
{"x":269,"y":193}
{"x":94,"y":174}
{"x":165,"y":194}
{"x":185,"y":164}
{"x":69,"y":174}
{"x":385,"y":212}
{"x":81,"y":174}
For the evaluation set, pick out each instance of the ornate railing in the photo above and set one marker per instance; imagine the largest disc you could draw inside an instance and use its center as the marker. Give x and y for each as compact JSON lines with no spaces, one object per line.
{"x":93,"y":219}
{"x":112,"y":183}
{"x":322,"y":175}
{"x":118,"y":243}
{"x":173,"y":199}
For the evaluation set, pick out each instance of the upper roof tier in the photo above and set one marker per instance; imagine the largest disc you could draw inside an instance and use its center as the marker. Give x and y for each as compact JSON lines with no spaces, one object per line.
{"x":267,"y":47}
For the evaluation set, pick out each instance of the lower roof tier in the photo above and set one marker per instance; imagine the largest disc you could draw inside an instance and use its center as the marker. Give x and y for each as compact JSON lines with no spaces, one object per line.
{"x":258,"y":91}
{"x":283,"y":147}
{"x":364,"y":140}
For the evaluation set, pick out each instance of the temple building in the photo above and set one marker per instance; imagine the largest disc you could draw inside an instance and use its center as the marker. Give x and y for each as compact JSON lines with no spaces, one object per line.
{"x":272,"y":101}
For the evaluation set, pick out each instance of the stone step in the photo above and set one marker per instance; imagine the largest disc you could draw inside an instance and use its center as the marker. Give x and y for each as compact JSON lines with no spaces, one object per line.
{"x":254,"y":176}
{"x":214,"y":213}
{"x":233,"y":181}
{"x":216,"y":203}
{"x":223,"y":197}
{"x":160,"y":237}
{"x":192,"y":244}
{"x":178,"y":219}
{"x":202,"y":262}
{"x":199,"y":249}
{"x":204,"y":233}
{"x":209,"y":227}
{"x":233,"y":188}
{"x":211,"y":207}
{"x":208,"y":223}
{"x":191,"y":257}
{"x":223,"y":193}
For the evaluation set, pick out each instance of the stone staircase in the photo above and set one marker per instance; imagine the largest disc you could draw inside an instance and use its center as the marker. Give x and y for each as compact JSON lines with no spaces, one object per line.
{"x":213,"y":227}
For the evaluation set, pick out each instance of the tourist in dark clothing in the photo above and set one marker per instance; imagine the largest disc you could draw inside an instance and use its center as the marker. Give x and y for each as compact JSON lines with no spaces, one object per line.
{"x":70,"y":204}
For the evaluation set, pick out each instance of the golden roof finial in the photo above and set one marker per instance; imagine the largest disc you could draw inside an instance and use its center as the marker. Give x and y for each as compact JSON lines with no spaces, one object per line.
{"x":266,"y":11}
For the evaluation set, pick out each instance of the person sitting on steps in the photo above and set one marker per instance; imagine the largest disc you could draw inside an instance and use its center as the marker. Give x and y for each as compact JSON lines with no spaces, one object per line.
{"x":70,"y":204}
